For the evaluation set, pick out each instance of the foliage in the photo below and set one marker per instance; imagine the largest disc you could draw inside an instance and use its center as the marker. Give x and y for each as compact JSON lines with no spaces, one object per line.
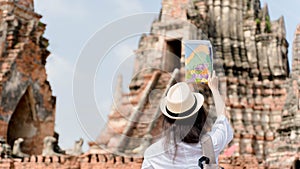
{"x":268,"y":27}
{"x":257,"y":20}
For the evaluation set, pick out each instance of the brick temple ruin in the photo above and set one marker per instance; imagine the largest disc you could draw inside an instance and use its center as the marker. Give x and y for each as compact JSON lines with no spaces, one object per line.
{"x":261,"y":93}
{"x":27,"y":107}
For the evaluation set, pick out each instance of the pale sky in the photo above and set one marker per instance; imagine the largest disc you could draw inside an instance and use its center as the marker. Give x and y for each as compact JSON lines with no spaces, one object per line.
{"x":70,"y":25}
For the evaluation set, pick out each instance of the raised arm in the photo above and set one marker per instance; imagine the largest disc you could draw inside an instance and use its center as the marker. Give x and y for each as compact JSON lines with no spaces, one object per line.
{"x":221,"y":132}
{"x":213,"y":83}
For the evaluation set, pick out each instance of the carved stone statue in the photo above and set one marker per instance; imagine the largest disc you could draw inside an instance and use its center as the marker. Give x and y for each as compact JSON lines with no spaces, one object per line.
{"x":17,"y":149}
{"x":56,"y":147}
{"x":6,"y":151}
{"x":77,"y":149}
{"x":2,"y":142}
{"x":48,"y":147}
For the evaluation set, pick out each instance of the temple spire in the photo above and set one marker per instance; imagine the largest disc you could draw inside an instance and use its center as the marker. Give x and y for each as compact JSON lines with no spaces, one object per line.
{"x":296,"y":52}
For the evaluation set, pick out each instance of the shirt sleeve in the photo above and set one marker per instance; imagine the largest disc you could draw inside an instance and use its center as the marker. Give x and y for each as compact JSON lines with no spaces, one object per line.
{"x":146,"y":164}
{"x":221,"y":134}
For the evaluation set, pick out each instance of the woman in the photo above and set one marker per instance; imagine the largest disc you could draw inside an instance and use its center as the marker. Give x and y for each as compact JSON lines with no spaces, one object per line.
{"x":184,"y":124}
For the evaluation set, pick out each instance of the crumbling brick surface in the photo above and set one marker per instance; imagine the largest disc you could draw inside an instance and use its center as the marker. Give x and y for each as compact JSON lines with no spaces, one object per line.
{"x":27,"y":107}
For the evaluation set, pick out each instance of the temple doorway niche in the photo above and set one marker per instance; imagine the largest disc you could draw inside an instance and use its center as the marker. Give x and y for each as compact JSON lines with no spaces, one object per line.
{"x":23,"y":123}
{"x":172,"y":54}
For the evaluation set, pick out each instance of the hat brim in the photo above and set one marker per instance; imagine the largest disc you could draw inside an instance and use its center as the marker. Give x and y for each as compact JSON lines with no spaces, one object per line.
{"x":199,"y":97}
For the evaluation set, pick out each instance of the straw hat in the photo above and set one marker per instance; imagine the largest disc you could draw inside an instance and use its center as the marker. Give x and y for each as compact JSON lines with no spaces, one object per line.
{"x":181,"y":102}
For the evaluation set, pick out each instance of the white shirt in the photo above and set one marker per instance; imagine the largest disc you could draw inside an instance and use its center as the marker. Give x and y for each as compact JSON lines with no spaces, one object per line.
{"x":187,"y":156}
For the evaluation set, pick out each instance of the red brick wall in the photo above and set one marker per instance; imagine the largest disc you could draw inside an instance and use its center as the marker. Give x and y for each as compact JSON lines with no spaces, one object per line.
{"x":109,"y":161}
{"x":64,"y":162}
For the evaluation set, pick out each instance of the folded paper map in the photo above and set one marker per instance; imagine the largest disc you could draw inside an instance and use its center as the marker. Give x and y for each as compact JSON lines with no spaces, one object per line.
{"x":198,"y":60}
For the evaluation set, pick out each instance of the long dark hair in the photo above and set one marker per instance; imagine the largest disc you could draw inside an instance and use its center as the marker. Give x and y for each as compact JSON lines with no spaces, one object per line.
{"x":187,"y":130}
